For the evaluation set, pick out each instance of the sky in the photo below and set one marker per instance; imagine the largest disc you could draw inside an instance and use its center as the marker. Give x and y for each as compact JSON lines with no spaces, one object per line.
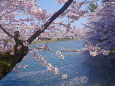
{"x":51,"y":6}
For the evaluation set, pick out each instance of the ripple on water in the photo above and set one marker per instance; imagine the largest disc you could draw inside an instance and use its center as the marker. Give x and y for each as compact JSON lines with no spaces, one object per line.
{"x":79,"y":73}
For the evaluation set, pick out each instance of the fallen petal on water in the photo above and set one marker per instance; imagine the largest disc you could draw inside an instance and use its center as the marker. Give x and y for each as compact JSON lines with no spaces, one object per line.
{"x":64,"y":76}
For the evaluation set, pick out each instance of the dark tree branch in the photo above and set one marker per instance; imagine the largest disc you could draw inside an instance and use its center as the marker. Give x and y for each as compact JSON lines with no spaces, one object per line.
{"x":86,"y":25}
{"x":45,"y":26}
{"x":6,"y":31}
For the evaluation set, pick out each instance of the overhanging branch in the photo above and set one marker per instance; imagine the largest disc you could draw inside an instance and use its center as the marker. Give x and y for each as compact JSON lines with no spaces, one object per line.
{"x":6,"y":31}
{"x":45,"y":26}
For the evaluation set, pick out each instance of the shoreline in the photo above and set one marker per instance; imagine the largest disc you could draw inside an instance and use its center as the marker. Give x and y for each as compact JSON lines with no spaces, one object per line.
{"x":37,"y":42}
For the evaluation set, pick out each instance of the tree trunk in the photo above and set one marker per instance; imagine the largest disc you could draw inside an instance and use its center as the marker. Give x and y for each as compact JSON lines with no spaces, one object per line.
{"x":8,"y":61}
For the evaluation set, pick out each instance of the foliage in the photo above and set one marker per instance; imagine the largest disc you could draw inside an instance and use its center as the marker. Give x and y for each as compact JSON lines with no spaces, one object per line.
{"x":92,"y":7}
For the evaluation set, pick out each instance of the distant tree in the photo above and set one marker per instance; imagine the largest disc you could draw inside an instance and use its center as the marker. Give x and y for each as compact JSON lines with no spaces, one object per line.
{"x":92,"y":7}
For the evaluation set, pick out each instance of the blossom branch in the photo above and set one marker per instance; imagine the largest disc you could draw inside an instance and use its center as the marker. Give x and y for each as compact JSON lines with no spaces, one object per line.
{"x":6,"y":31}
{"x":45,"y":26}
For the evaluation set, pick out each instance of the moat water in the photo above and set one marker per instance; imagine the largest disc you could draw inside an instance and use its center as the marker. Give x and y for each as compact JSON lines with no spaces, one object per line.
{"x":78,"y":68}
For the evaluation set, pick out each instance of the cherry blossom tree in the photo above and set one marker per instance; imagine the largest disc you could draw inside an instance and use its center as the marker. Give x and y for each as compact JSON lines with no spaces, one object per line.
{"x":100,"y":36}
{"x":9,"y":10}
{"x":18,"y":32}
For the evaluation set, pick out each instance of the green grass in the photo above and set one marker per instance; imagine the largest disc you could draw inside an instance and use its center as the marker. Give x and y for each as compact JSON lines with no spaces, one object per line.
{"x":49,"y":40}
{"x":35,"y":42}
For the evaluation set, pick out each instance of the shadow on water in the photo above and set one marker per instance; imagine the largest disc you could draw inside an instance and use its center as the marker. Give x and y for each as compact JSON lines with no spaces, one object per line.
{"x":82,"y":69}
{"x":101,"y":72}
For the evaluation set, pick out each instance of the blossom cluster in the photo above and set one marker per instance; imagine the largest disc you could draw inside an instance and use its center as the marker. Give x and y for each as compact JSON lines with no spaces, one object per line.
{"x":44,"y":63}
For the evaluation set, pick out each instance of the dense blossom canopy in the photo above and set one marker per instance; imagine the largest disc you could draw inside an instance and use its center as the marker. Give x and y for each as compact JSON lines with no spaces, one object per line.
{"x":26,"y":17}
{"x":101,"y":30}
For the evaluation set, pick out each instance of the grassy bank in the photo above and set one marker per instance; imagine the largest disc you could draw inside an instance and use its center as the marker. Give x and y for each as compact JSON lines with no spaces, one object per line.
{"x":49,"y":40}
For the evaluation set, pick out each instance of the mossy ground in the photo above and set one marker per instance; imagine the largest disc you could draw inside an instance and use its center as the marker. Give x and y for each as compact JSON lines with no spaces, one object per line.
{"x":8,"y":61}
